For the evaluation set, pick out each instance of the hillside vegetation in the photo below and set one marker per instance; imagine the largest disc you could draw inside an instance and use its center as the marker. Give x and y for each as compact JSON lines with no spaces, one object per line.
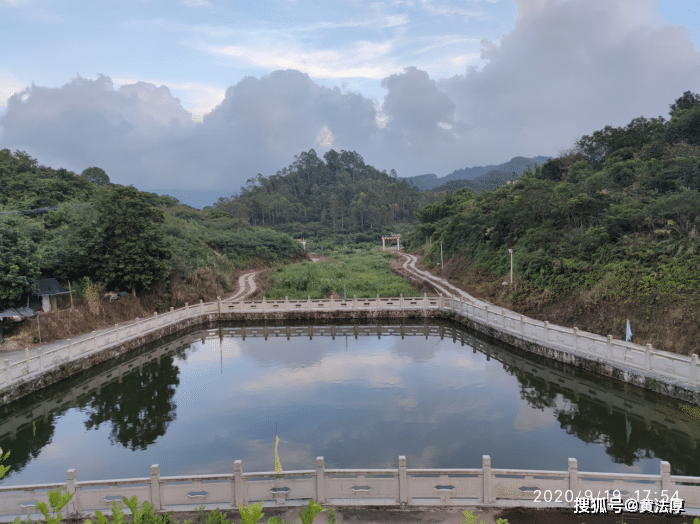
{"x":54,"y":223}
{"x":338,"y":201}
{"x":604,"y":232}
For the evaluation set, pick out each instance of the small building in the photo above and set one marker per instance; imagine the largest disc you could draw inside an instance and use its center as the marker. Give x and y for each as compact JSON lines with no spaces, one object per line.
{"x":48,"y":289}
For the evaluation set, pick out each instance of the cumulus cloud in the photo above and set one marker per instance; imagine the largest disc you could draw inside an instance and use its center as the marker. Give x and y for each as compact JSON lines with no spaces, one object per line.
{"x":567,"y":68}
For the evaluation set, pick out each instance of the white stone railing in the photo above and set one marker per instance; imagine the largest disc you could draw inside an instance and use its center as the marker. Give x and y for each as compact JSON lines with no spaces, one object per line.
{"x":43,"y":359}
{"x":680,"y":368}
{"x":385,"y":487}
{"x":662,"y":364}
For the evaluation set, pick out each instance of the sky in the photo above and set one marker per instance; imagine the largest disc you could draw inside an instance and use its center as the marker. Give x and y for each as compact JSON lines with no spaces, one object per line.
{"x":195,"y":97}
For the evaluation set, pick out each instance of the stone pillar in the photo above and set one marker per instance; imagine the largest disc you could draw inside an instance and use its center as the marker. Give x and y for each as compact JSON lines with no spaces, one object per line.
{"x":286,"y":303}
{"x":486,"y":468}
{"x":694,"y":368}
{"x":546,"y":331}
{"x":573,"y":480}
{"x":46,"y":303}
{"x":73,"y":504}
{"x":665,"y":476}
{"x":320,"y":481}
{"x":522,"y":325}
{"x":155,"y":487}
{"x":648,"y":355}
{"x":575,"y":339}
{"x":403,"y":480}
{"x":383,"y":244}
{"x":610,"y":353}
{"x":240,"y":491}
{"x":7,"y":371}
{"x":70,"y":348}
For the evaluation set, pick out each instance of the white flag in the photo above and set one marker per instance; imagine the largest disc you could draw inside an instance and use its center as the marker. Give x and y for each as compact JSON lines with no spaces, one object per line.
{"x":629,"y":331}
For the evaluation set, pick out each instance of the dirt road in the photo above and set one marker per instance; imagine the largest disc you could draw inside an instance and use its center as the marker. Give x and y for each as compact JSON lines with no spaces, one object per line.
{"x":246,"y":287}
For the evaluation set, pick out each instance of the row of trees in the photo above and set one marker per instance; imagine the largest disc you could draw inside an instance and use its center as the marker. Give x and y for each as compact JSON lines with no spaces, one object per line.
{"x":622,"y":206}
{"x":114,"y":234}
{"x":341,"y":192}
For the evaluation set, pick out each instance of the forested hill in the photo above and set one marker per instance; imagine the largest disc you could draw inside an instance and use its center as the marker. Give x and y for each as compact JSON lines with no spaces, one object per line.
{"x":341,"y":192}
{"x":608,"y":230}
{"x":55,"y":223}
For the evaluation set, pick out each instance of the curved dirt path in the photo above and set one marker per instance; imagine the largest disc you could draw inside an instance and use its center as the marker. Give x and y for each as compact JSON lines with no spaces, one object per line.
{"x":443,"y":286}
{"x":246,"y":287}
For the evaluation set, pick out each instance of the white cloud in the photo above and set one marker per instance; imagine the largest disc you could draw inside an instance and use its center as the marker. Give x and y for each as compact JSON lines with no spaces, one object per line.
{"x":567,"y":68}
{"x":363,"y":59}
{"x":196,"y":3}
{"x":10,"y":85}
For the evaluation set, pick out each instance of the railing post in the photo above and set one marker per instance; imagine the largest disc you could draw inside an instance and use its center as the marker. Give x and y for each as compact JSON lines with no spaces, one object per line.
{"x":264,"y":305}
{"x":522,"y":325}
{"x":575,"y":339}
{"x":320,"y":481}
{"x":7,"y":372}
{"x":354,"y":302}
{"x":378,"y":304}
{"x":694,"y":368}
{"x":73,"y":503}
{"x":116,"y":328}
{"x":286,"y":303}
{"x":70,"y":348}
{"x":331,"y":305}
{"x":665,"y":476}
{"x":218,"y":299}
{"x":573,"y":479}
{"x":609,"y":344}
{"x":503,"y":315}
{"x":486,"y":467}
{"x":648,"y":357}
{"x":241,"y":495}
{"x":403,"y":486}
{"x":40,"y":353}
{"x":425,"y":304}
{"x":401,"y":301}
{"x":201,"y":306}
{"x":155,"y":486}
{"x":546,"y":331}
{"x":138,"y":326}
{"x":94,"y":340}
{"x":308,"y":303}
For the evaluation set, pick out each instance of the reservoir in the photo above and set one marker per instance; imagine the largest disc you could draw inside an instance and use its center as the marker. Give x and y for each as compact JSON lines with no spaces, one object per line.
{"x":359,"y":395}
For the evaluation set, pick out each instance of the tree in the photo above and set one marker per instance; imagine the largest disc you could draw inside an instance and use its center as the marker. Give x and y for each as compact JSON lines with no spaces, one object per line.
{"x":19,"y":262}
{"x":127,"y":243}
{"x":96,"y":175}
{"x":687,"y":101}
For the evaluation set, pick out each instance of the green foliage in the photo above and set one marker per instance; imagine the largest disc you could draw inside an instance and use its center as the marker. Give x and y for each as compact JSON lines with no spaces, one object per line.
{"x":470,"y":518}
{"x":216,"y":517}
{"x":252,"y":514}
{"x":57,"y":500}
{"x":96,"y":175}
{"x":117,"y":515}
{"x":308,"y":514}
{"x":364,"y":274}
{"x":125,"y":242}
{"x":19,"y":262}
{"x":619,"y":216}
{"x":3,"y":469}
{"x":341,"y":192}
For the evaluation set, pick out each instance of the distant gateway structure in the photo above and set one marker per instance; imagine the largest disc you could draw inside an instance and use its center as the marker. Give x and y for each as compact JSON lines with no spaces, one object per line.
{"x":390,"y":238}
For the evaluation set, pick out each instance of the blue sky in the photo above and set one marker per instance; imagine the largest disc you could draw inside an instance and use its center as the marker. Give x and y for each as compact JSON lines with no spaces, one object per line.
{"x":422,"y":86}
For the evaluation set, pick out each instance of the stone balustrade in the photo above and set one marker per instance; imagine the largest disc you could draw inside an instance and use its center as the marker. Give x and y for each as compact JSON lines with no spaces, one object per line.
{"x":354,"y":487}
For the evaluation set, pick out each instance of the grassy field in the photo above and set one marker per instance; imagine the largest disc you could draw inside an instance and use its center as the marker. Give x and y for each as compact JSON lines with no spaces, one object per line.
{"x":363,"y":272}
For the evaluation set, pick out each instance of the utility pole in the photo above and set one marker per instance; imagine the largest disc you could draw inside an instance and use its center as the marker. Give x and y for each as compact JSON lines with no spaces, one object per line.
{"x":511,"y":265}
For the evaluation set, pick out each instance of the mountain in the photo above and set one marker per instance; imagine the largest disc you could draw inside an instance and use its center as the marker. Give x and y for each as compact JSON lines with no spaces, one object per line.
{"x":516,"y":164}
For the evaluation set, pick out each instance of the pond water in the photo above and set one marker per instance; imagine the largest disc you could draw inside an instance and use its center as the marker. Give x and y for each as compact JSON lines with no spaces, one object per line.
{"x":358,"y":395}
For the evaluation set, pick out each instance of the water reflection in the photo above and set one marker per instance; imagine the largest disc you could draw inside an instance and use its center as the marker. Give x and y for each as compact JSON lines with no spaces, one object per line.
{"x":358,"y":395}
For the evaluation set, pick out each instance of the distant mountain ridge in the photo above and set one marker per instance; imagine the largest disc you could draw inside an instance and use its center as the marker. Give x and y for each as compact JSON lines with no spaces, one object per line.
{"x":458,"y":178}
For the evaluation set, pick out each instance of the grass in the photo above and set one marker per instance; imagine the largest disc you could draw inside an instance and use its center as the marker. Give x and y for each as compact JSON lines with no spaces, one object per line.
{"x":363,"y":272}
